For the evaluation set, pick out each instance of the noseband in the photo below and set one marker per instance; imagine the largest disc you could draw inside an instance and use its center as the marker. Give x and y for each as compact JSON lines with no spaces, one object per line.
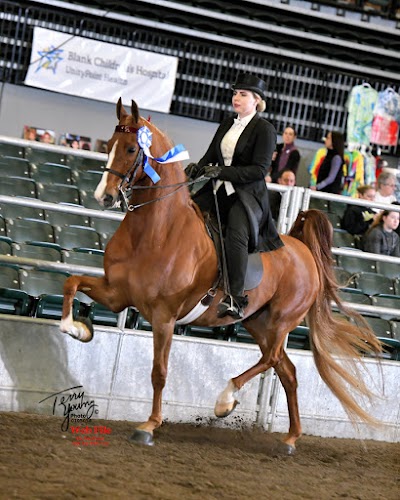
{"x":130,"y":176}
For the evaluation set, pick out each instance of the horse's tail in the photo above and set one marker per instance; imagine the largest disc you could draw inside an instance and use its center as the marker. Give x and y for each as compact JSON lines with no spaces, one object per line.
{"x":332,"y":336}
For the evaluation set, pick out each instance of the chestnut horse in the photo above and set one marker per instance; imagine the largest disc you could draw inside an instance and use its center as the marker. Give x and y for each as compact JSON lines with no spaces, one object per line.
{"x":162,"y":261}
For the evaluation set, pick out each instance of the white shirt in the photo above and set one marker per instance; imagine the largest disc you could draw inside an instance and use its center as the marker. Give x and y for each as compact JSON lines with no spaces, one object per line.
{"x":383,"y":199}
{"x":228,"y":145}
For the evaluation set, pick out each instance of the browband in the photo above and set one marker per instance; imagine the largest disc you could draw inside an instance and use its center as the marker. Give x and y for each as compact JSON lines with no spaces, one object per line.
{"x":126,"y":129}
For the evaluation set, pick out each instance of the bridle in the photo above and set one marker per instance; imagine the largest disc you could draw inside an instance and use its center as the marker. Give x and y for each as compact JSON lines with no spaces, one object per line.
{"x":126,"y":186}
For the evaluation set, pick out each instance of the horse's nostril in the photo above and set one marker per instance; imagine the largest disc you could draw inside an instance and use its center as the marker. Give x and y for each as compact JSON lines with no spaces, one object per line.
{"x":108,"y":200}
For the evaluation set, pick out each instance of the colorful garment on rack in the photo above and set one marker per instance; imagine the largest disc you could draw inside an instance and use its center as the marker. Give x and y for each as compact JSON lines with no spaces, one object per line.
{"x":353,"y":172}
{"x":360,"y":106}
{"x":385,"y":125}
{"x":316,"y":162}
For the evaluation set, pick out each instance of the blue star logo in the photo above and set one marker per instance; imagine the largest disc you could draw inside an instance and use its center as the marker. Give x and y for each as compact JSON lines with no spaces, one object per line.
{"x":49,"y":58}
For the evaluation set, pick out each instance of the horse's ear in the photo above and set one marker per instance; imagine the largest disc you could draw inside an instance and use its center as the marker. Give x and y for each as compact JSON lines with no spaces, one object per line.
{"x":120,"y":110}
{"x":135,"y":112}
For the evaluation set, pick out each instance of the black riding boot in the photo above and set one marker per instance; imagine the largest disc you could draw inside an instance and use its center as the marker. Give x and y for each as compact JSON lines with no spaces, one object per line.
{"x":236,"y":250}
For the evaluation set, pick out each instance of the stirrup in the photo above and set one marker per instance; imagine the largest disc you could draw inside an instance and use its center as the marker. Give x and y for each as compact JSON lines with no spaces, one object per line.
{"x":230,"y":306}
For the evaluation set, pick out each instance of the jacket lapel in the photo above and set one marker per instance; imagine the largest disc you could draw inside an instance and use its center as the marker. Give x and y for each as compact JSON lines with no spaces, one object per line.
{"x":245,"y":136}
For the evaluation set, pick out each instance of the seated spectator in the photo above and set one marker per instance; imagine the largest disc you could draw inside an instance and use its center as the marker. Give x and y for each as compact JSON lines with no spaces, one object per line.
{"x":356,"y":219}
{"x":286,"y":178}
{"x":381,"y":237}
{"x":47,"y":137}
{"x":386,"y":187}
{"x":285,"y":157}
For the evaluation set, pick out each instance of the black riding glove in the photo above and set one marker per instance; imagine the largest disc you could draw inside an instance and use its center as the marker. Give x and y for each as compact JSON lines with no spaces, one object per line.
{"x":192,"y":171}
{"x":212,"y":171}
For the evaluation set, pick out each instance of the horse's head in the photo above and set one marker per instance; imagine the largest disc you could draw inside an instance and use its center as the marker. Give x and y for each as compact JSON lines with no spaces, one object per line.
{"x":125,"y":156}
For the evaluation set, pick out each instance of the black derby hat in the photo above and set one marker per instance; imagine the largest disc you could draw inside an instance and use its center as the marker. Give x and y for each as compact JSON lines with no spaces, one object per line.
{"x":246,"y":81}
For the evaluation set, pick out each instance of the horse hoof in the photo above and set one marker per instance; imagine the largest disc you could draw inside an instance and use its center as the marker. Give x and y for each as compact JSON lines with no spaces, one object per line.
{"x":288,"y":449}
{"x":87,"y":332}
{"x":223,"y":410}
{"x":142,"y":437}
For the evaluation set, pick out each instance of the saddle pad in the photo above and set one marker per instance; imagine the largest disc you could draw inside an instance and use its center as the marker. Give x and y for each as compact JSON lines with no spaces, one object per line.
{"x":254,"y":271}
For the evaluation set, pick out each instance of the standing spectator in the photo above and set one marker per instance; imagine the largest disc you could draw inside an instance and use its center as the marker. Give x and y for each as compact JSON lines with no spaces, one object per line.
{"x":327,"y":170}
{"x":386,"y":187}
{"x":356,"y":219}
{"x":286,"y":156}
{"x":382,"y":238}
{"x":286,"y":178}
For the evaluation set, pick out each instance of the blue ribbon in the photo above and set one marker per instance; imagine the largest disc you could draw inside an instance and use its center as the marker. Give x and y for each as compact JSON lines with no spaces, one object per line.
{"x":144,"y":137}
{"x":149,"y":170}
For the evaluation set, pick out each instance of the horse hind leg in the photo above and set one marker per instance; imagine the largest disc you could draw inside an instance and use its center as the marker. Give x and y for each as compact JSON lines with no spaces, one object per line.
{"x":270,"y":336}
{"x":286,"y":372}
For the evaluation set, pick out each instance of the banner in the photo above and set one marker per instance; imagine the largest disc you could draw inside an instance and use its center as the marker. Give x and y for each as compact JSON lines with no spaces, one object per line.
{"x":96,"y":70}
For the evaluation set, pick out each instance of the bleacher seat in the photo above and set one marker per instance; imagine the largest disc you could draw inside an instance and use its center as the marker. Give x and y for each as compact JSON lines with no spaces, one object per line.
{"x":5,"y":246}
{"x":58,"y":193}
{"x":343,"y":239}
{"x":18,"y":186}
{"x":388,"y":269}
{"x":11,"y":150}
{"x":81,"y":163}
{"x":299,"y":338}
{"x":318,"y":204}
{"x":52,"y":173}
{"x":84,"y":257}
{"x":374,"y":284}
{"x":355,"y":297}
{"x":108,"y":226}
{"x":391,"y":301}
{"x":88,"y":200}
{"x":37,"y":251}
{"x":344,"y":278}
{"x":28,"y":230}
{"x":395,"y":328}
{"x":356,"y":264}
{"x":36,"y":156}
{"x":334,"y":219}
{"x":46,"y":288}
{"x":12,"y":299}
{"x":380,"y":326}
{"x":11,"y":211}
{"x":71,"y":237}
{"x":3,"y":231}
{"x":12,"y":166}
{"x":337,"y":207}
{"x":101,"y":315}
{"x":66,"y":218}
{"x":87,"y":180}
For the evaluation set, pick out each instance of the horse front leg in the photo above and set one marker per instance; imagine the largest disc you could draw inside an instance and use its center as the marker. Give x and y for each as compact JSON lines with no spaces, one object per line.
{"x":162,"y":339}
{"x":97,"y":289}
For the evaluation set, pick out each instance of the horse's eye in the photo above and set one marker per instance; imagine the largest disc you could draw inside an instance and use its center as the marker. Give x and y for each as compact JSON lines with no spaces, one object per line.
{"x":131,"y":150}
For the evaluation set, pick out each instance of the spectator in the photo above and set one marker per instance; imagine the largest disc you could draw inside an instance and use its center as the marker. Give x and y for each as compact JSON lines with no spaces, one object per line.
{"x":286,"y":156}
{"x":286,"y":178}
{"x":47,"y":137}
{"x":386,"y":187}
{"x":381,"y":237}
{"x":356,"y":219}
{"x":327,"y":167}
{"x":30,"y":133}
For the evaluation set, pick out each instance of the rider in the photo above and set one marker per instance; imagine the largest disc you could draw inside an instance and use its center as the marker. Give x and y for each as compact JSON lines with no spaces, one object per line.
{"x":238,"y":158}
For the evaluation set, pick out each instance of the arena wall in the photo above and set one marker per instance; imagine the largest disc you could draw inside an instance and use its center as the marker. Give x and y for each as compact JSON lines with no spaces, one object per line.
{"x":37,"y":361}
